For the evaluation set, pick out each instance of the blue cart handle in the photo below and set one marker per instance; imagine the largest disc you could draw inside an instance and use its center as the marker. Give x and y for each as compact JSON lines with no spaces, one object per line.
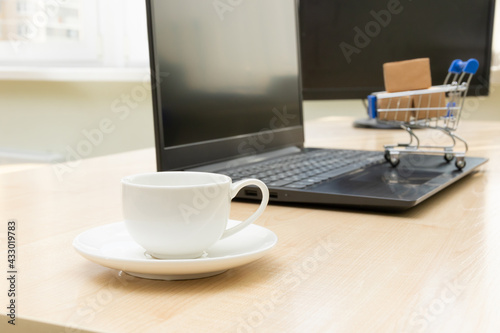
{"x":458,"y":66}
{"x":471,"y":66}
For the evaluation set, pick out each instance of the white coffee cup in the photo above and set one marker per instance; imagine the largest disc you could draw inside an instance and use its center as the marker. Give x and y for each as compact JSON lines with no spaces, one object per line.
{"x":178,"y":215}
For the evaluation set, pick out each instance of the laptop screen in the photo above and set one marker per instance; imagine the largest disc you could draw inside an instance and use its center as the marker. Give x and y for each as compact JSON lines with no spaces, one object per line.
{"x":225,"y":78}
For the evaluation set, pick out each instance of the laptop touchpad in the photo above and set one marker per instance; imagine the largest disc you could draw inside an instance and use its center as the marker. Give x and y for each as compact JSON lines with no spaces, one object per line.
{"x":395,"y":176}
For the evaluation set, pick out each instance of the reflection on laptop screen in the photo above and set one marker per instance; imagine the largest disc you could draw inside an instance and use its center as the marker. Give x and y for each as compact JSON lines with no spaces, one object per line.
{"x":230,"y":68}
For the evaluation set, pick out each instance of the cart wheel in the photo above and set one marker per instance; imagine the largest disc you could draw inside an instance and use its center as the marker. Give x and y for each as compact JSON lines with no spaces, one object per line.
{"x":387,"y":156}
{"x":394,"y":160}
{"x":460,"y":164}
{"x":448,"y":157}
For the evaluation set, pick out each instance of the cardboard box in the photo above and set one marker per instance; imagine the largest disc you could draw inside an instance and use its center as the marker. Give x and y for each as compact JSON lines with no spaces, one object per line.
{"x":407,"y":75}
{"x":421,"y":103}
{"x":395,"y":104}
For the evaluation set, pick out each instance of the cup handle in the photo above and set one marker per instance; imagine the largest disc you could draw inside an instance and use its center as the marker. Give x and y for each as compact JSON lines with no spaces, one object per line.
{"x":235,"y":188}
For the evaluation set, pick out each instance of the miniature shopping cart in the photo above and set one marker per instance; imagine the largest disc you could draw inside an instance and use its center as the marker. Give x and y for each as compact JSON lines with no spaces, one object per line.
{"x":438,"y":107}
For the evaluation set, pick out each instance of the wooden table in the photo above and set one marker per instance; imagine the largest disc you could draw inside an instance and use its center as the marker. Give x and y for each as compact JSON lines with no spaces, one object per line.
{"x":434,"y":268}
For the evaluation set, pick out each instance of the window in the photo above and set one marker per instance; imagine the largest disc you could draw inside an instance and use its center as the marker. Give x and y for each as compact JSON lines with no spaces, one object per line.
{"x":41,"y":32}
{"x":73,"y":33}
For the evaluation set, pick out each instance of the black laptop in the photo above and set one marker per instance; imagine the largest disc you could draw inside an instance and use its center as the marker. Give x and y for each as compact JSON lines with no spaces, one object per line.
{"x":226,"y":89}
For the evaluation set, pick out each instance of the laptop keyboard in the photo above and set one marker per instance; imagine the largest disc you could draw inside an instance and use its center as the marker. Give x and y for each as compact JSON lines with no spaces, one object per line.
{"x":305,"y":169}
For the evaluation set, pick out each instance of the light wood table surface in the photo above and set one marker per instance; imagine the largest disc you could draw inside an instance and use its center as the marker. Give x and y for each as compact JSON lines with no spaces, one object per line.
{"x":434,"y":268}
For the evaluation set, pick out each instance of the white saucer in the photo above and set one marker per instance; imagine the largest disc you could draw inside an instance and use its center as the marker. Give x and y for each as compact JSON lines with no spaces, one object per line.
{"x":111,"y":246}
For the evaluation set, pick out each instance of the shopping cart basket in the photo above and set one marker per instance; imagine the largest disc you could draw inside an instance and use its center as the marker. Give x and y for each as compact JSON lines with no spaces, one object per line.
{"x":438,"y":108}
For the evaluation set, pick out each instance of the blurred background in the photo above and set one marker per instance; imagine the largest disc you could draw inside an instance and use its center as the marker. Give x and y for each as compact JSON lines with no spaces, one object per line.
{"x":74,"y":81}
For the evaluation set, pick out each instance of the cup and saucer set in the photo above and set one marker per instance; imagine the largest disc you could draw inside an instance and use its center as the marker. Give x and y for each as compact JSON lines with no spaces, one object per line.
{"x":176,"y":226}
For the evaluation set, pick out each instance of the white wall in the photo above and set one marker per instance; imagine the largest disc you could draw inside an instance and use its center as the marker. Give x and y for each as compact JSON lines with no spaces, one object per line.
{"x":41,"y":119}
